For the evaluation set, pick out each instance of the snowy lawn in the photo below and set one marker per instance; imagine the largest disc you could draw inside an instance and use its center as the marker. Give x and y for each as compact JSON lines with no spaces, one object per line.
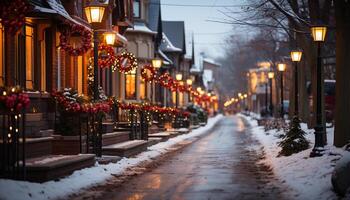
{"x":21,"y":190}
{"x":309,"y":178}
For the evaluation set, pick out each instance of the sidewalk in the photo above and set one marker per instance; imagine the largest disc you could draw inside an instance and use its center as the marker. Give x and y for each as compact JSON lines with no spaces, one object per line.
{"x":309,"y":178}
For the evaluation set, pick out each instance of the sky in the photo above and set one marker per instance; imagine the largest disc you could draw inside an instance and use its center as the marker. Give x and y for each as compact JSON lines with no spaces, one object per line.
{"x":209,"y":36}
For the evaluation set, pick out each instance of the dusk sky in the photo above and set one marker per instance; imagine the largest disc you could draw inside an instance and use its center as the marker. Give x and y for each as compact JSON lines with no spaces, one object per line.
{"x":209,"y":36}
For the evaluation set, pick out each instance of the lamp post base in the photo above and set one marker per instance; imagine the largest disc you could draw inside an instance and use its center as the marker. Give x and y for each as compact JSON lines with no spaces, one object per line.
{"x":318,"y":149}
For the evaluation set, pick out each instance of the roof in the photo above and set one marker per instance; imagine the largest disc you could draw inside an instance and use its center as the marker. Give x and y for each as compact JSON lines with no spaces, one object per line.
{"x":167,"y":46}
{"x":141,"y":28}
{"x":166,"y":60}
{"x":211,"y":61}
{"x":154,"y":14}
{"x":175,"y":30}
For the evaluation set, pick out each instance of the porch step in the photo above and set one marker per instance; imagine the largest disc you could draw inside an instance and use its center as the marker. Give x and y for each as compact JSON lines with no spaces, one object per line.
{"x":43,"y":133}
{"x":52,"y":167}
{"x":107,"y":127}
{"x":164,"y":135}
{"x":115,"y":137}
{"x":155,"y":140}
{"x":37,"y":147}
{"x":125,"y":149}
{"x":179,"y":130}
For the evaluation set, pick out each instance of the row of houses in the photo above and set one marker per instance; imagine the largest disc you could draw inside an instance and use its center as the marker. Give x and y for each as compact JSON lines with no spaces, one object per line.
{"x":47,"y":46}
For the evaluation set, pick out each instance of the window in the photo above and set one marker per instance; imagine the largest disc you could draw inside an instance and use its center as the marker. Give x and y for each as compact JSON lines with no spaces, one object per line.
{"x":79,"y":75}
{"x":143,"y":89}
{"x":29,"y":63}
{"x":137,"y":8}
{"x":130,"y":85}
{"x":43,"y":66}
{"x":2,"y":60}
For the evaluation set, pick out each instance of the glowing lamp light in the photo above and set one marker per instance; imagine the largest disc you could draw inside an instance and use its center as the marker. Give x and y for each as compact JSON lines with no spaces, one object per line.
{"x":245,"y":95}
{"x":271,"y":75}
{"x":94,"y":11}
{"x":296,"y":55}
{"x":189,"y":81}
{"x":319,"y":33}
{"x":110,"y":38}
{"x":239,"y":94}
{"x":281,"y":67}
{"x":178,"y":76}
{"x":157,"y":62}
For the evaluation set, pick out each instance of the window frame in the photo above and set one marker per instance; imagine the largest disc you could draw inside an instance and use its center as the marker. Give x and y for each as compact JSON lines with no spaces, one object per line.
{"x":33,"y":57}
{"x":137,"y":2}
{"x":134,"y":74}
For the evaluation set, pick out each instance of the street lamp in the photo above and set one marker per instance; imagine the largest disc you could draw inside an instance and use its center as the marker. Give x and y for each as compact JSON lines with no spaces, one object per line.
{"x":296,"y":57}
{"x":110,"y":37}
{"x":281,"y":68}
{"x":94,"y":14}
{"x":319,"y":35}
{"x":189,"y":83}
{"x":178,"y":77}
{"x":271,"y":75}
{"x":157,"y":62}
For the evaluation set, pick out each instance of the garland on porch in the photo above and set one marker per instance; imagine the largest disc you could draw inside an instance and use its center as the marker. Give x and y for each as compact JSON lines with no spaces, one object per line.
{"x":13,"y":13}
{"x":85,"y":39}
{"x":125,"y":62}
{"x":13,"y":99}
{"x":144,"y":74}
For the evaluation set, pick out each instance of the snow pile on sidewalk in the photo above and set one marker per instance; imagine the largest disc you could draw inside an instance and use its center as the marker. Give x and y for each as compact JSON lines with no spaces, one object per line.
{"x":21,"y":190}
{"x":309,"y":178}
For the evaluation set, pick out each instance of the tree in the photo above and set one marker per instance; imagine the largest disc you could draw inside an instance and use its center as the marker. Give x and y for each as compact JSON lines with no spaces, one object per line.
{"x":342,"y":119}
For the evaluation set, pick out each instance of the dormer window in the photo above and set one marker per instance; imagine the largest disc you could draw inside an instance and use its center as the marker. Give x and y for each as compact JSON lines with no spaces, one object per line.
{"x":137,"y":9}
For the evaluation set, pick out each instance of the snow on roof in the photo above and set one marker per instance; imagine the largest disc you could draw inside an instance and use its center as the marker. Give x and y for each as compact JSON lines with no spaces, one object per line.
{"x":167,"y":46}
{"x":142,"y":28}
{"x":211,"y":61}
{"x":166,"y":60}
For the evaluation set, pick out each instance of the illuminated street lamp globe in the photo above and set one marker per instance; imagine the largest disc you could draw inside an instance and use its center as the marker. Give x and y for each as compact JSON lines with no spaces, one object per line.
{"x":281,"y":67}
{"x":94,"y":11}
{"x":189,"y":82}
{"x":178,"y":76}
{"x":157,"y":62}
{"x":319,"y":33}
{"x":110,"y":37}
{"x":271,"y":75}
{"x":296,"y":55}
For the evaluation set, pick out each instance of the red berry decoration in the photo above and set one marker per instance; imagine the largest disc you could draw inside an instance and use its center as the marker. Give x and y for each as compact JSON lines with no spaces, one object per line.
{"x":85,"y":38}
{"x":12,"y":14}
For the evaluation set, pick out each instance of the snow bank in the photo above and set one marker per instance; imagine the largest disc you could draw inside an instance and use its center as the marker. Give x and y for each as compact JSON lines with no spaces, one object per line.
{"x":309,"y":178}
{"x":21,"y":190}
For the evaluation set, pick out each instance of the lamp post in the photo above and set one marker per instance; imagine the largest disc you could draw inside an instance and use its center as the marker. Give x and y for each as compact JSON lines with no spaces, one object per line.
{"x":318,"y":34}
{"x":282,"y":68}
{"x":296,"y":57}
{"x":94,"y":14}
{"x":178,"y":77}
{"x":157,"y":64}
{"x":271,"y":75}
{"x":189,"y":83}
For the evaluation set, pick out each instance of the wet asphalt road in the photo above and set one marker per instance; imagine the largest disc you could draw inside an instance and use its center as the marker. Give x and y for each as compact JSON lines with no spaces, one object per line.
{"x":220,"y":165}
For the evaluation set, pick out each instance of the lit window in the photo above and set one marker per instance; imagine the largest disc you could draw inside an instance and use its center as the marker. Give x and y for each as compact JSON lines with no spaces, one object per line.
{"x":29,"y":58}
{"x":174,"y":97}
{"x":2,"y":70}
{"x":143,"y":89}
{"x":79,"y":75}
{"x":137,"y":8}
{"x":130,"y":85}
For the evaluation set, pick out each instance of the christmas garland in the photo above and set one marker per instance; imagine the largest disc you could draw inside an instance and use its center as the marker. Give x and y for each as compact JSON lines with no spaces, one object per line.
{"x":13,"y":99}
{"x":75,"y":29}
{"x":130,"y":64}
{"x":13,"y":13}
{"x":165,"y":80}
{"x":144,"y":73}
{"x":107,"y":56}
